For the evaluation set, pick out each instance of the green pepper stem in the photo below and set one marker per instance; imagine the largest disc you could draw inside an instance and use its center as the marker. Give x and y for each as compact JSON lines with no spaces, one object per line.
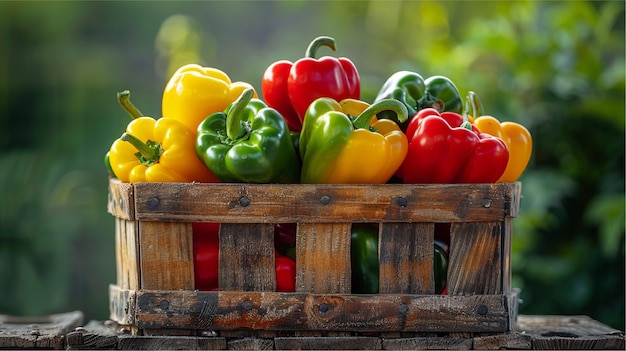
{"x":364,"y":120}
{"x":149,"y":152}
{"x":316,"y":43}
{"x":124,"y":99}
{"x":235,"y":129}
{"x":473,"y":105}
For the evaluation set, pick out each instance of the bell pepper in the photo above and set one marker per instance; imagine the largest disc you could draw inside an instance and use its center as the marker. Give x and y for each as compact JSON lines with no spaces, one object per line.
{"x":160,"y":150}
{"x":193,"y":92}
{"x":440,"y":266}
{"x":285,"y":273}
{"x":415,"y":93}
{"x":248,"y":142}
{"x":206,"y":249}
{"x":333,"y":142}
{"x":291,"y":88}
{"x":446,"y":148}
{"x":516,"y":137}
{"x":364,"y":258}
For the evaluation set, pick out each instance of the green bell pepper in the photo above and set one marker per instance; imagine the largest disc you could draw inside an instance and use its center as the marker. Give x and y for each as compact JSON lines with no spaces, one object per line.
{"x":364,"y":258}
{"x":417,"y":93}
{"x":249,"y":142}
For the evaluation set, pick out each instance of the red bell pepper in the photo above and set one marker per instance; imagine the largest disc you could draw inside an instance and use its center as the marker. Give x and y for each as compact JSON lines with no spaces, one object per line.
{"x":290,"y":88}
{"x":446,"y":148}
{"x":285,"y":273}
{"x":206,"y":248}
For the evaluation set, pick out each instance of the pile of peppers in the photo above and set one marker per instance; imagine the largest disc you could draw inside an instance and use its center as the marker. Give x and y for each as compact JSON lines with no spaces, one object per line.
{"x":309,"y":125}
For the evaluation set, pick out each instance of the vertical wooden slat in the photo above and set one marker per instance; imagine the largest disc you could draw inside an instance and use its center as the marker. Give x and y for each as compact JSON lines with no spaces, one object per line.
{"x":247,"y":257}
{"x":166,"y":255}
{"x":323,"y":258}
{"x":126,"y":254}
{"x":406,"y":258}
{"x":475,"y":266}
{"x":506,"y":255}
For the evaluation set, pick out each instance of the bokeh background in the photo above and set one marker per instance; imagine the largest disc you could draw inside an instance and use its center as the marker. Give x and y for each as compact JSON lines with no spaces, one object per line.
{"x":555,"y":66}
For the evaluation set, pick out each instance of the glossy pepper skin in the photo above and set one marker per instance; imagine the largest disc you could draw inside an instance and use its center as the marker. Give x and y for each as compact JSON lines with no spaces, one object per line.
{"x":285,"y":273}
{"x":364,"y":258}
{"x":443,"y":148}
{"x":193,"y":92}
{"x":161,"y":150}
{"x":516,"y":137}
{"x":333,"y":142}
{"x":206,"y":249}
{"x":291,"y":88}
{"x":415,"y":93}
{"x":249,"y":143}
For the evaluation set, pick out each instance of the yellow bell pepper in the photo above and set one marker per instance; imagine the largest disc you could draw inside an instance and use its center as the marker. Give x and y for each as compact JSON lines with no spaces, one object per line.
{"x":517,"y":139}
{"x":195,"y":92}
{"x":160,"y":150}
{"x":337,"y":148}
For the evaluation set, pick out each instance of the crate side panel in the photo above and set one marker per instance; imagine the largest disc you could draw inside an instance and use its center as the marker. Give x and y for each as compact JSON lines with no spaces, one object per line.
{"x":226,"y":310}
{"x":166,"y":255}
{"x":127,"y":253}
{"x":475,"y":266}
{"x":323,"y":257}
{"x":346,"y":203}
{"x":247,"y":257}
{"x":120,"y":199}
{"x":406,"y":258}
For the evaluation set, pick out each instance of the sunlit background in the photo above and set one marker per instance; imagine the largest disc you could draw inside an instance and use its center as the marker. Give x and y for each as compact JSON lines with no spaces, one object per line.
{"x":555,"y":66}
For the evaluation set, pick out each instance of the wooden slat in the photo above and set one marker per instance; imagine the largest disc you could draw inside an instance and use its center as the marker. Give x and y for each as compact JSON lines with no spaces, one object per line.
{"x":121,"y":202}
{"x":328,"y":343}
{"x":45,"y":332}
{"x":570,"y":333}
{"x":122,"y":305}
{"x":406,"y":258}
{"x":247,"y":257}
{"x":227,"y":310}
{"x":126,"y":253}
{"x":310,"y":203}
{"x":166,"y":255}
{"x":323,"y":257}
{"x":475,"y":259}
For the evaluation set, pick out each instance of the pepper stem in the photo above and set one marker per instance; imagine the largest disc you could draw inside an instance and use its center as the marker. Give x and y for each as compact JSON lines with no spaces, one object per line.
{"x":473,"y":105}
{"x":148,"y":152}
{"x":124,"y":99}
{"x":235,"y":129}
{"x":316,"y":43}
{"x":364,"y":120}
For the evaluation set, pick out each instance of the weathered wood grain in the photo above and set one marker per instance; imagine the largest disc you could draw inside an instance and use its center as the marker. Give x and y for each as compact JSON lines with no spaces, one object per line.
{"x":406,"y":258}
{"x":328,"y":343}
{"x":127,"y":253}
{"x":46,"y":332}
{"x":121,"y":201}
{"x":166,"y":255}
{"x":330,"y":312}
{"x":475,"y":264}
{"x":428,"y":343}
{"x":569,"y":333}
{"x":247,"y":257}
{"x":290,"y":203}
{"x":323,"y":258}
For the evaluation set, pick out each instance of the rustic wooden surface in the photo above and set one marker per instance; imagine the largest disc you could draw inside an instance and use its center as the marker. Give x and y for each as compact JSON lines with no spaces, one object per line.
{"x":531,"y":333}
{"x":46,"y":332}
{"x":310,"y":203}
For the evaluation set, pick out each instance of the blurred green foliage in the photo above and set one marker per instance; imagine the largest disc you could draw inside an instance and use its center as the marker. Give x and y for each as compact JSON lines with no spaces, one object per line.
{"x":555,"y":66}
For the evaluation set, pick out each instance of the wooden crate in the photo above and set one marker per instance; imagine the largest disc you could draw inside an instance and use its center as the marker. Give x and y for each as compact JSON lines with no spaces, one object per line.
{"x":154,"y":293}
